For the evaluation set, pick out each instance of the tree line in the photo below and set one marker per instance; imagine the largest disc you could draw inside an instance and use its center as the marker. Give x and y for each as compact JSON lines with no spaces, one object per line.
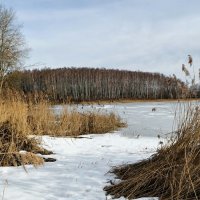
{"x":77,"y":84}
{"x":90,"y":84}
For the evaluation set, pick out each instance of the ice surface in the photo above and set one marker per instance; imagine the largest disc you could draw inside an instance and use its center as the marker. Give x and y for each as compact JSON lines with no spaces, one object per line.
{"x":139,"y":116}
{"x":80,"y":172}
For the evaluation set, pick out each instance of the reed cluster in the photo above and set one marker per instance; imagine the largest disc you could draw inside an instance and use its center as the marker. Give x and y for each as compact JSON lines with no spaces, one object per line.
{"x":171,"y":173}
{"x":17,"y":147}
{"x":22,"y":120}
{"x":70,"y":122}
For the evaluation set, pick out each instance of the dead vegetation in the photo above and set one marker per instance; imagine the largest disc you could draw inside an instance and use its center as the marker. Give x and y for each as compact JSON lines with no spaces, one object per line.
{"x":70,"y":122}
{"x":172,"y":173}
{"x":20,"y":120}
{"x":16,"y":145}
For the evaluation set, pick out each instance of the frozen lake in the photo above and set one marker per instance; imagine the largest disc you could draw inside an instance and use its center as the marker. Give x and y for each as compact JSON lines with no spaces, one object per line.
{"x":80,"y":171}
{"x":140,"y":118}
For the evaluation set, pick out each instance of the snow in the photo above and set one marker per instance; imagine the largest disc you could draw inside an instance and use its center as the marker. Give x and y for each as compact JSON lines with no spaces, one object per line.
{"x":80,"y":172}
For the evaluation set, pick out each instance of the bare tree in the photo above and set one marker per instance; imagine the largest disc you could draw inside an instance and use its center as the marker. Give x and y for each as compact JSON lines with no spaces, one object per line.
{"x":88,"y":84}
{"x":12,"y":43}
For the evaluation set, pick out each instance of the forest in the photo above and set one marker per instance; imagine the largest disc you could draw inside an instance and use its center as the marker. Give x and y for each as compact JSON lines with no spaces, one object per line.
{"x":91,"y":84}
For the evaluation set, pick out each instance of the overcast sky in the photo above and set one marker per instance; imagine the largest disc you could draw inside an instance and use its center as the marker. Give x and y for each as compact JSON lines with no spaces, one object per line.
{"x":145,"y":35}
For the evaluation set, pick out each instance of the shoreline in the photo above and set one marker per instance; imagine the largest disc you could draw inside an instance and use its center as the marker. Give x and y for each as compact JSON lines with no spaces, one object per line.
{"x":100,"y":102}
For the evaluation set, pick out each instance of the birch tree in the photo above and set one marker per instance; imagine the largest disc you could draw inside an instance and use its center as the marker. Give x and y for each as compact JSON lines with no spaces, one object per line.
{"x":12,"y":43}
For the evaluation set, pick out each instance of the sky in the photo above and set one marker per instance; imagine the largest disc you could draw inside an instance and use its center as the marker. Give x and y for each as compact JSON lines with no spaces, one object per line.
{"x":137,"y":35}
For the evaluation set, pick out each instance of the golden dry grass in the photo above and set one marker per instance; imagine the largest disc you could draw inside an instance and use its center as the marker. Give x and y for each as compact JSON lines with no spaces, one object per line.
{"x":19,"y":119}
{"x":14,"y":135}
{"x":43,"y":121}
{"x":172,"y":173}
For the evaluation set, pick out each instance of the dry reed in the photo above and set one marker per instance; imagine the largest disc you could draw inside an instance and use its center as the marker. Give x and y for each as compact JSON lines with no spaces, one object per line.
{"x":43,"y":121}
{"x":20,"y":119}
{"x":14,"y":136}
{"x":172,"y":173}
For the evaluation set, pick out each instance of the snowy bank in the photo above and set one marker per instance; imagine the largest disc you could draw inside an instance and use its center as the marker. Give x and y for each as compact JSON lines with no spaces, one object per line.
{"x":80,"y":171}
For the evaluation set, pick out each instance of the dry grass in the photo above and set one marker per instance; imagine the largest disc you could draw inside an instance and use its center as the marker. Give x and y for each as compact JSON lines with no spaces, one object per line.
{"x":71,"y":122}
{"x":14,"y":135}
{"x":19,"y":119}
{"x":172,"y":173}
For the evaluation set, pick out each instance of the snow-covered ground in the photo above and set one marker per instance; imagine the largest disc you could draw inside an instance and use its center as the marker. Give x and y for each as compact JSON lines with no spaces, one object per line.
{"x":80,"y":169}
{"x":80,"y":172}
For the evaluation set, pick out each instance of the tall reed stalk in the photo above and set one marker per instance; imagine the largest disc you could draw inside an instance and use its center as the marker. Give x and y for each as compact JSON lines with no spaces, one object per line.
{"x":20,"y":119}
